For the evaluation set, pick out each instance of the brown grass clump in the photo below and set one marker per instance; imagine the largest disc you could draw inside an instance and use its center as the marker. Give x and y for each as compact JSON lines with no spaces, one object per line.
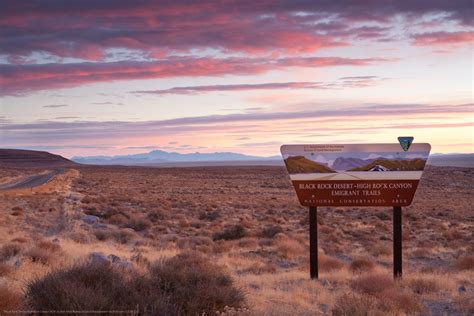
{"x":373,"y":284}
{"x":82,"y":287}
{"x":9,"y":250}
{"x":289,"y":248}
{"x":186,"y":274}
{"x":9,"y":299}
{"x":230,"y":233}
{"x":353,"y":304}
{"x":5,"y":269}
{"x":465,"y":263}
{"x":271,"y":231}
{"x":424,"y":285}
{"x":327,"y":263}
{"x":170,"y":287}
{"x":43,"y":252}
{"x":362,"y":265}
{"x":137,"y":223}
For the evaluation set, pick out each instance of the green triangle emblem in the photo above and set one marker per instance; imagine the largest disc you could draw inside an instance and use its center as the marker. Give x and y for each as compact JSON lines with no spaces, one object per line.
{"x":405,"y":142}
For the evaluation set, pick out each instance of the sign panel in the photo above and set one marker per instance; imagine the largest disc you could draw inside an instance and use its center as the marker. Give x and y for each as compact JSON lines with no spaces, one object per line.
{"x":355,"y":174}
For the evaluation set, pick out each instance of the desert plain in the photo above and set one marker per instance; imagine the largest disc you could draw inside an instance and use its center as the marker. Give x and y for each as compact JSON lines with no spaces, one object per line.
{"x":246,"y":222}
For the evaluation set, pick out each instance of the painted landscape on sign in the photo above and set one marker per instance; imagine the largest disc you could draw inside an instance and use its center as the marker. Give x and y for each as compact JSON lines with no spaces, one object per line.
{"x":354,"y":161}
{"x":354,"y":164}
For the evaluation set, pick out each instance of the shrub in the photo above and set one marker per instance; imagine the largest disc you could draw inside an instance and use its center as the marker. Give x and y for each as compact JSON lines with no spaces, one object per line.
{"x":465,"y":263}
{"x":195,"y":285}
{"x":9,"y":250}
{"x":352,"y":304}
{"x":101,"y":234}
{"x":9,"y":299}
{"x":230,"y":233}
{"x":155,"y":216}
{"x":81,"y":287}
{"x":183,"y":285}
{"x":362,"y":265}
{"x":5,"y":269}
{"x":138,"y":224}
{"x":209,"y":216}
{"x":327,"y":263}
{"x":424,"y":285}
{"x":373,"y":284}
{"x":39,"y":255}
{"x":123,"y":236}
{"x":289,"y":248}
{"x":271,"y":231}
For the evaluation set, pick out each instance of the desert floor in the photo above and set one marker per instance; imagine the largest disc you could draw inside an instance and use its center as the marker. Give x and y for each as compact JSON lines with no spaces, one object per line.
{"x":248,"y":220}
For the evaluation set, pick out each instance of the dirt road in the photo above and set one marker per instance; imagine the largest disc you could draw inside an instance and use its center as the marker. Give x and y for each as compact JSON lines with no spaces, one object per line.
{"x":31,"y":181}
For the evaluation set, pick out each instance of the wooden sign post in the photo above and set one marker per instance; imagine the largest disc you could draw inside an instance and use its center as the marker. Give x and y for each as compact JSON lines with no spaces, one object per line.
{"x":356,"y":175}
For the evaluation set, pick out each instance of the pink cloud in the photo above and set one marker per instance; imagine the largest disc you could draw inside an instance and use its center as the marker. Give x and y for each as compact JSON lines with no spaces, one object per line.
{"x":17,"y":79}
{"x":444,"y":38}
{"x":86,"y":29}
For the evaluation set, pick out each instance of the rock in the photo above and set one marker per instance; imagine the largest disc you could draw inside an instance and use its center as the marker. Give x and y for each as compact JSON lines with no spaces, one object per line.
{"x":18,"y":263}
{"x":90,"y":219}
{"x":462,"y":289}
{"x":114,"y":258}
{"x":98,"y":258}
{"x":101,"y":226}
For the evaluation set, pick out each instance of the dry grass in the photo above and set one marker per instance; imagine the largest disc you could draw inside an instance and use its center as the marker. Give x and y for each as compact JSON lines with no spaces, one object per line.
{"x":155,"y":216}
{"x":169,"y":287}
{"x":10,"y":300}
{"x":465,"y":263}
{"x":373,"y":284}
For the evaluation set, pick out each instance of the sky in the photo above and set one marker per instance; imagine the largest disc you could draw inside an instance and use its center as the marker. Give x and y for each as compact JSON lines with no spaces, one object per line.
{"x":83,"y":77}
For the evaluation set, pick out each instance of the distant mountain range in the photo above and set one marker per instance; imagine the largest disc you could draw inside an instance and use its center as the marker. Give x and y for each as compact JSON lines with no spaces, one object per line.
{"x":160,"y":156}
{"x":392,"y":165}
{"x":300,"y":164}
{"x":342,"y":163}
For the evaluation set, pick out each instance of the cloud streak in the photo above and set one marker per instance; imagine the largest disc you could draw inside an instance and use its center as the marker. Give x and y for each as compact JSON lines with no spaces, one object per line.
{"x":87,"y":29}
{"x":18,"y":79}
{"x":345,"y":82}
{"x":248,"y":123}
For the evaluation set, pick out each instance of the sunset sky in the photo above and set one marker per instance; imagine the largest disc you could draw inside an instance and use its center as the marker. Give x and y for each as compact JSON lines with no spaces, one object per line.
{"x":119,"y":77}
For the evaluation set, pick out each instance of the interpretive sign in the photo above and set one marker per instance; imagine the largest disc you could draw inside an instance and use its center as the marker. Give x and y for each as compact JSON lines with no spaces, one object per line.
{"x":355,"y":174}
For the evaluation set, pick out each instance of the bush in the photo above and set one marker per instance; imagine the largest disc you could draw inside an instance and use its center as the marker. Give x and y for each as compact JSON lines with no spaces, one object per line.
{"x":186,"y":284}
{"x":230,"y":233}
{"x":424,"y":285}
{"x":194,"y":285}
{"x":82,"y":287}
{"x":5,"y":269}
{"x":362,"y":265}
{"x":209,"y":216}
{"x":9,"y":250}
{"x":138,"y":224}
{"x":39,"y":255}
{"x":352,"y":304}
{"x":373,"y":284}
{"x":271,"y":231}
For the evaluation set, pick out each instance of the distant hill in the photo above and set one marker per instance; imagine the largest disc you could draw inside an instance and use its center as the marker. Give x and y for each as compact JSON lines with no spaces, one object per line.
{"x":300,"y":164}
{"x":342,"y":163}
{"x":452,"y":160}
{"x":160,"y":156}
{"x":32,"y":158}
{"x":394,"y":165}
